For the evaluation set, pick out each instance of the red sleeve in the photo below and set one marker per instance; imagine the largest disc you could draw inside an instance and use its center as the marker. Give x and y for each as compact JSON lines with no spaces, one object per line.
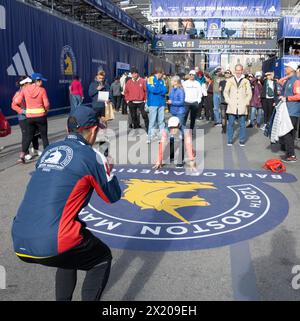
{"x":72,"y":87}
{"x":81,"y":90}
{"x":296,"y":90}
{"x":18,"y":99}
{"x":188,"y":142}
{"x":145,"y":90}
{"x":16,"y":106}
{"x":46,"y":103}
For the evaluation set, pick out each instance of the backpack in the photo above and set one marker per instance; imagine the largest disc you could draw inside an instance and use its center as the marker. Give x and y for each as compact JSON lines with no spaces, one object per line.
{"x":275,"y":165}
{"x":5,"y":129}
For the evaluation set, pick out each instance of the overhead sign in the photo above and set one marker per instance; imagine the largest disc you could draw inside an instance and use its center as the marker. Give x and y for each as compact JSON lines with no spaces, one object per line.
{"x":289,"y":27}
{"x":167,"y":210}
{"x":217,"y":44}
{"x":215,"y":8}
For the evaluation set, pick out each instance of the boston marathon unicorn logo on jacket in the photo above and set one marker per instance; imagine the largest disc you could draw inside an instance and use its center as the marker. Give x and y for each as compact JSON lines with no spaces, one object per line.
{"x":56,"y":158}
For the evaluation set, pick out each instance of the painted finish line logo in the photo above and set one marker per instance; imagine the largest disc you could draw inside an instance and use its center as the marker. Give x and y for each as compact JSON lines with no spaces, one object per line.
{"x":167,"y":210}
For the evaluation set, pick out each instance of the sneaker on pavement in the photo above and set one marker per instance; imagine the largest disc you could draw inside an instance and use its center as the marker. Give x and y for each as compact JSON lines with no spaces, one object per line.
{"x":242,"y":144}
{"x":229,"y":144}
{"x":179,"y":165}
{"x":290,"y":159}
{"x":28,"y":157}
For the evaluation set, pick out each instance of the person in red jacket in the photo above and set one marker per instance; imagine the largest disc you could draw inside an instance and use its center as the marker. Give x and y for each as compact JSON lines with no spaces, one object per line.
{"x":76,"y":93}
{"x":37,"y":106}
{"x":135,"y":97}
{"x":22,"y":84}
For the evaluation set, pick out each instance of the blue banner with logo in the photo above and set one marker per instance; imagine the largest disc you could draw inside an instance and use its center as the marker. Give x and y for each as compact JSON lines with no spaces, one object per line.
{"x":215,"y":8}
{"x":289,"y":27}
{"x":214,"y":60}
{"x":33,"y":40}
{"x":214,"y":28}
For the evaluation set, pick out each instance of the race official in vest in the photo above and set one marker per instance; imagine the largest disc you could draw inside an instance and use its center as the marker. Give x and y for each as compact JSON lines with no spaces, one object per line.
{"x":291,"y":95}
{"x":237,"y":94}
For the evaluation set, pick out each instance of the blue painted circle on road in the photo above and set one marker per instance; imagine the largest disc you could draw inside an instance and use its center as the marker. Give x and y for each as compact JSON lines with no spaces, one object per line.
{"x":168,"y":210}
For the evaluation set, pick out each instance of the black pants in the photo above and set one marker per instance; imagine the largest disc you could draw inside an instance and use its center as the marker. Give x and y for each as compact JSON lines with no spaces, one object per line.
{"x":24,"y":130}
{"x":116,"y":100}
{"x":134,"y":108}
{"x":268,"y":106}
{"x":34,"y":124}
{"x":193,"y":109}
{"x":92,"y":256}
{"x":224,"y":116}
{"x":201,"y":107}
{"x":289,"y":138}
{"x":123,"y":105}
{"x":209,"y":107}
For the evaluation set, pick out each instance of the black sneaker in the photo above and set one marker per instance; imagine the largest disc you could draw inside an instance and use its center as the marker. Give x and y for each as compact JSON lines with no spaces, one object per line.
{"x":250,"y":126}
{"x":179,"y":166}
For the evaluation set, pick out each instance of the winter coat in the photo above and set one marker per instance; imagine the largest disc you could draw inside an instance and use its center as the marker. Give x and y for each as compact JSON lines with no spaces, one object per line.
{"x":177,"y":96}
{"x":256,"y":93}
{"x":238,"y":96}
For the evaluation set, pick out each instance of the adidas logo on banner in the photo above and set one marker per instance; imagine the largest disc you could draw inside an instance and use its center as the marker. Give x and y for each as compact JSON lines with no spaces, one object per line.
{"x":22,"y":65}
{"x":159,"y":10}
{"x":2,"y":18}
{"x":272,"y":9}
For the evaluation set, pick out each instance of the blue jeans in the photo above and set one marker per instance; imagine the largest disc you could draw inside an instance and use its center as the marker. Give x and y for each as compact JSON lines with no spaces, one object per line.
{"x":156,"y":119}
{"x":230,"y":128}
{"x":217,"y":102}
{"x":75,"y":101}
{"x":259,"y":116}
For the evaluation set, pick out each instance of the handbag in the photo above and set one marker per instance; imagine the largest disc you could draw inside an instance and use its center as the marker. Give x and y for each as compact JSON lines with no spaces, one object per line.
{"x":5,"y":128}
{"x":109,"y":112}
{"x":275,"y":165}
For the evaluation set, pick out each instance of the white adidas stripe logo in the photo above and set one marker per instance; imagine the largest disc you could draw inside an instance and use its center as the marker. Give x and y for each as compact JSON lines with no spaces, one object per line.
{"x":22,"y":65}
{"x":2,"y":18}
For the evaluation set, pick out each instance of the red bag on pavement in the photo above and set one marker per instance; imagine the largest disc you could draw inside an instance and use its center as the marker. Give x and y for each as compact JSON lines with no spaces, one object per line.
{"x":275,"y":165}
{"x":5,"y":129}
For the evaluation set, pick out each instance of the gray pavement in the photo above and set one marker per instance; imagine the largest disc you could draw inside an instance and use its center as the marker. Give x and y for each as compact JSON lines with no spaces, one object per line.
{"x":260,"y":268}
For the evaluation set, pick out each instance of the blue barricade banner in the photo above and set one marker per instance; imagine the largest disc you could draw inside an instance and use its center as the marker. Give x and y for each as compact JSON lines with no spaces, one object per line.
{"x":34,"y":40}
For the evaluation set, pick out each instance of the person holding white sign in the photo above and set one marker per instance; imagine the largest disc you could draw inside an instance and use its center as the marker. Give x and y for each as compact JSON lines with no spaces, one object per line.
{"x":99,"y":92}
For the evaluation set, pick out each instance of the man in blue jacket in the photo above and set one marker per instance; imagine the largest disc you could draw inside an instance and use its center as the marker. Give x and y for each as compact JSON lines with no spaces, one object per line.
{"x":156,"y":101}
{"x":46,"y":229}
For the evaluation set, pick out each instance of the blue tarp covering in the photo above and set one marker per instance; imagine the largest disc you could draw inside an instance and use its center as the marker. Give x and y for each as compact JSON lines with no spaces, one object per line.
{"x":33,"y":40}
